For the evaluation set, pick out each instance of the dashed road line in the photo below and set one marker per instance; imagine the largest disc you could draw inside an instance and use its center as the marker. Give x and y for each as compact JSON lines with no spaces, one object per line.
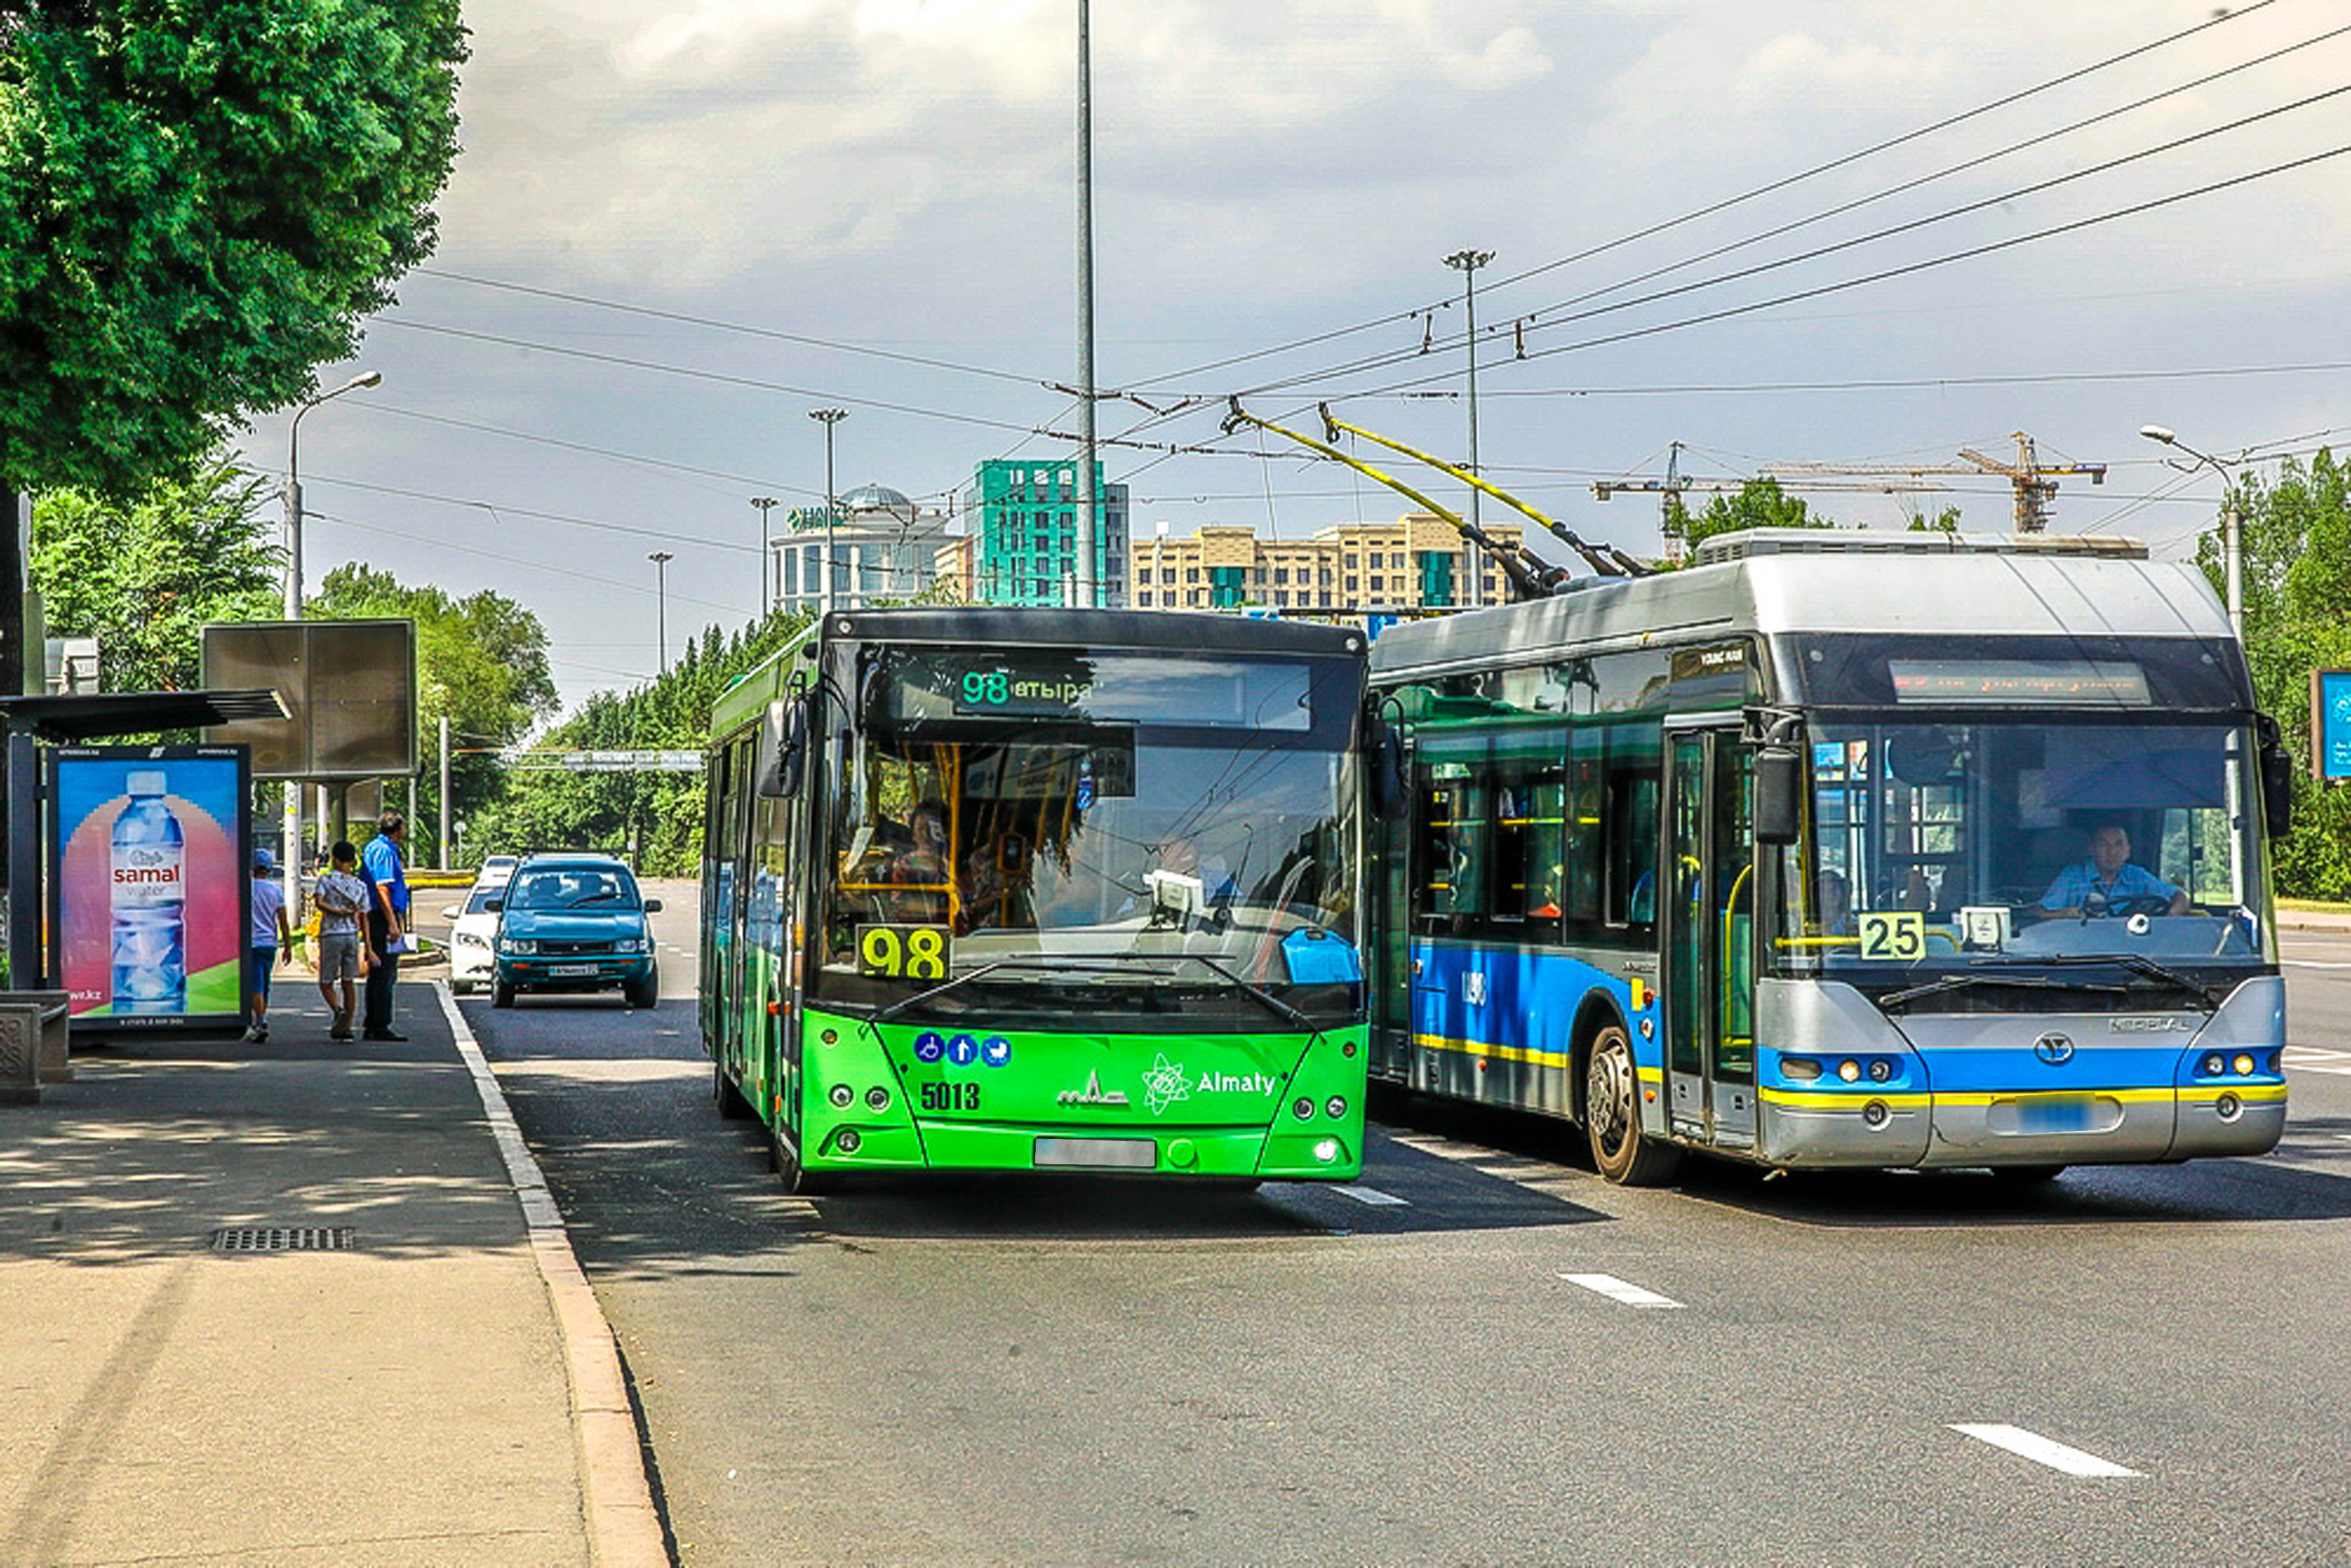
{"x":2313,"y":964}
{"x":2311,"y":1059}
{"x":2040,"y":1449}
{"x":1372,"y":1196}
{"x":1617,"y":1289}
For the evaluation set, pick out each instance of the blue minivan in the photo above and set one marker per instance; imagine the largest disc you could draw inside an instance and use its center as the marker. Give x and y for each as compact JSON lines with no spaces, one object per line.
{"x":574,"y":923}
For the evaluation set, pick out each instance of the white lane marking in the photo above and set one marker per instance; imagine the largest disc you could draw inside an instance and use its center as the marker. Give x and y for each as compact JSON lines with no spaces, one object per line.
{"x":2309,"y":1059}
{"x":2314,"y":963}
{"x":1372,"y":1196}
{"x":1616,"y":1290}
{"x":2040,"y":1449}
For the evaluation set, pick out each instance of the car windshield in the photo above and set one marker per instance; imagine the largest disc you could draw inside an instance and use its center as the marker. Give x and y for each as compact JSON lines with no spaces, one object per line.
{"x":1962,"y":846}
{"x":573,"y":887}
{"x":480,"y":900}
{"x":1081,"y":863}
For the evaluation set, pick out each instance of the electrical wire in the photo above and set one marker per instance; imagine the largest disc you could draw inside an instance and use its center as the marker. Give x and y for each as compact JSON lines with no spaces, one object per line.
{"x":498,"y":509}
{"x":522,"y":560}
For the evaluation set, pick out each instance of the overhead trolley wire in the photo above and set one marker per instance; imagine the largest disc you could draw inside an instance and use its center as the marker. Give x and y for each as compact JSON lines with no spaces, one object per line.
{"x":1739,"y":199}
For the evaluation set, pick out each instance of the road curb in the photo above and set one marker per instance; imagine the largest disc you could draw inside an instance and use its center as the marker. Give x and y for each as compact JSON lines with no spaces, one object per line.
{"x":624,"y":1529}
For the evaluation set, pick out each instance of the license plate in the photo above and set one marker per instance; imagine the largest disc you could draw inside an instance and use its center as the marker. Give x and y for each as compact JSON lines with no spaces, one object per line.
{"x":1099,"y":1154}
{"x":2054,"y":1113}
{"x":569,"y":971}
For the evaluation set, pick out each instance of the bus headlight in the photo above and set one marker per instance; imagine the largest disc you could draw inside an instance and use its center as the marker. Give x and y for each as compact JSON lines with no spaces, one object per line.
{"x":2243,"y":1064}
{"x":1799,"y":1068}
{"x":1335,"y":1106}
{"x":2215,"y":1065}
{"x":1849,"y":1070}
{"x":848,"y":1141}
{"x":1880,"y":1069}
{"x":1302,"y":1107}
{"x":878,"y":1098}
{"x":1326,"y":1150}
{"x":842,"y":1095}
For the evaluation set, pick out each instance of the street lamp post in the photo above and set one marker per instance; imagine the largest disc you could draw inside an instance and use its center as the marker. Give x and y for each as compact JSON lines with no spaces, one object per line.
{"x":1467,"y":262}
{"x":828,"y":417}
{"x":293,"y":821}
{"x":2232,"y":544}
{"x":661,"y":559}
{"x":1088,"y":589}
{"x":767,"y":553}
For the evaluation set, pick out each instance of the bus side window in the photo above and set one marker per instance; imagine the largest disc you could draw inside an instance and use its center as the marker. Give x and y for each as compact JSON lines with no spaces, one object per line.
{"x":1528,"y":805}
{"x":1585,"y":839}
{"x":1450,"y":870}
{"x":1632,"y":793}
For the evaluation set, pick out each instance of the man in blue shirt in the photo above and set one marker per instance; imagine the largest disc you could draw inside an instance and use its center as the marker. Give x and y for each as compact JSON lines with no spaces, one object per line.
{"x":387,"y":919}
{"x":2107,"y":880}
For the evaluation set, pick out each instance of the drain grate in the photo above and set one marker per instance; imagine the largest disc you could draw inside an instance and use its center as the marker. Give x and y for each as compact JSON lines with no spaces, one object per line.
{"x":284,"y":1238}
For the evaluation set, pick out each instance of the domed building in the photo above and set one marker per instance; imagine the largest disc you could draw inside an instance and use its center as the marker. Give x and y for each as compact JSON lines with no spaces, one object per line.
{"x":882,"y":545}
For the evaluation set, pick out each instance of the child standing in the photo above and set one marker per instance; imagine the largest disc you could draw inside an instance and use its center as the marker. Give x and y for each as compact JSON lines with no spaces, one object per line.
{"x":342,"y":899}
{"x":271,"y":931}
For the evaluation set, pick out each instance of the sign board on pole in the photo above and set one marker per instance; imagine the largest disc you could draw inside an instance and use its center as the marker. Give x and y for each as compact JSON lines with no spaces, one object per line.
{"x":2330,"y":723}
{"x":350,"y":690}
{"x":151,"y":898}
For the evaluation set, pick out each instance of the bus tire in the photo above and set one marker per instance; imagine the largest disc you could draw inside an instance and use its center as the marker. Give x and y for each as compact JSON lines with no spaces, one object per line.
{"x":2027,"y":1175}
{"x":732,"y":1106}
{"x":798,"y":1179}
{"x":1611,"y":1115}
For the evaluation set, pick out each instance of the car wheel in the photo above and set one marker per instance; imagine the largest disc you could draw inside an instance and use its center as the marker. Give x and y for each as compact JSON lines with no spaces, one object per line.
{"x":645,"y":993}
{"x":1612,"y":1117}
{"x":502,"y":995}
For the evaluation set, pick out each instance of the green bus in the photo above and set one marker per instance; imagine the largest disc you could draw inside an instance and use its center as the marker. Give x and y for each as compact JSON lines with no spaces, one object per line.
{"x":1023,"y":889}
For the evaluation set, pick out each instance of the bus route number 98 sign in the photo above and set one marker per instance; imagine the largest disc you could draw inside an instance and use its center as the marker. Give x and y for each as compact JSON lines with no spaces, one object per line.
{"x":902,"y":951}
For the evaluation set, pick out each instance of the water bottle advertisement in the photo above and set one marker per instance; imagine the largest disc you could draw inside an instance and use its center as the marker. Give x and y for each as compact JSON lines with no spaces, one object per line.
{"x":149,"y":894}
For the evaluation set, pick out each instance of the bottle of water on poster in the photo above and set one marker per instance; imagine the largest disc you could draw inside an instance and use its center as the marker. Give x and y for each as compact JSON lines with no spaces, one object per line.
{"x":150,"y":901}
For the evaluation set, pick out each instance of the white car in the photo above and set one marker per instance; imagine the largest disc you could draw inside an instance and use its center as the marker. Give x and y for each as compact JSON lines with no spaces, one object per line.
{"x":472,"y":930}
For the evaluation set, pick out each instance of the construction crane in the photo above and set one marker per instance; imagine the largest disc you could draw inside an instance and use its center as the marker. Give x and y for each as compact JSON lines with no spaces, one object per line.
{"x":2034,"y":481}
{"x":1670,"y":488}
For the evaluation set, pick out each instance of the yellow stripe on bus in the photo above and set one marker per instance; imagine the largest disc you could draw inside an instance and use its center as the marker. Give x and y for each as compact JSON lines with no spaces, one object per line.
{"x":1499,"y":1053}
{"x":1812,"y":1100}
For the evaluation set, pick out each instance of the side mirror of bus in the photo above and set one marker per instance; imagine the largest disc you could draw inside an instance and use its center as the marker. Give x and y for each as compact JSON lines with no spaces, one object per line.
{"x":783,"y":748}
{"x":1779,"y":794}
{"x":2277,"y":778}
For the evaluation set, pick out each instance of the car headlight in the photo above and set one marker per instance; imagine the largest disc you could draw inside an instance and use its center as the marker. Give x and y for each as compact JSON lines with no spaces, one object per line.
{"x":522,"y":948}
{"x":628,"y":944}
{"x":468,"y":939}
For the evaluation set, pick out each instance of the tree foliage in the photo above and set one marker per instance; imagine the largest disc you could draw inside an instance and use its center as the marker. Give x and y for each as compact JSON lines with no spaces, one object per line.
{"x":2297,"y":593}
{"x":1758,"y":503}
{"x":198,"y":201}
{"x":659,"y":814}
{"x":144,"y":575}
{"x":481,"y":661}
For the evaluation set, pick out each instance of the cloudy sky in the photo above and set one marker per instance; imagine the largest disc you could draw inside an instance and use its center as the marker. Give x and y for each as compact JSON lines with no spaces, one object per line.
{"x":870,"y":202}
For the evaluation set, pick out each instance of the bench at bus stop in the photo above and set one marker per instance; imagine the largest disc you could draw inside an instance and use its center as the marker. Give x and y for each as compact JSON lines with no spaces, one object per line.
{"x":35,"y":1033}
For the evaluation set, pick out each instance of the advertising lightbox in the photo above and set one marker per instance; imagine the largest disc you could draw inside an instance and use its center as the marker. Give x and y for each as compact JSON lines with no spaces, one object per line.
{"x":2330,"y":723}
{"x":150,"y":895}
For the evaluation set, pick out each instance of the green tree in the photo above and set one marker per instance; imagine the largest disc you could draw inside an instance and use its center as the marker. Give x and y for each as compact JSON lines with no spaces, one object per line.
{"x":144,"y":575}
{"x":198,"y":203}
{"x":1760,"y":503}
{"x":2297,"y":593}
{"x":481,"y":662}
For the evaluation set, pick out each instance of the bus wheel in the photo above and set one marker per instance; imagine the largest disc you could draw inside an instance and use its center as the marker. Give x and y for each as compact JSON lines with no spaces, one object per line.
{"x":1612,"y":1117}
{"x":723,"y":1094}
{"x":2027,"y":1175}
{"x":797,"y":1179}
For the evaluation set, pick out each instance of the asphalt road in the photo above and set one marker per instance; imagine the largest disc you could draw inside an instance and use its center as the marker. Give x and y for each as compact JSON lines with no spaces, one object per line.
{"x":998,"y":1372}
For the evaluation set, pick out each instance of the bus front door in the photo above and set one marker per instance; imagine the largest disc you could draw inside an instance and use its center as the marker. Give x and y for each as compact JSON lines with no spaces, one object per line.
{"x":1709,"y":934}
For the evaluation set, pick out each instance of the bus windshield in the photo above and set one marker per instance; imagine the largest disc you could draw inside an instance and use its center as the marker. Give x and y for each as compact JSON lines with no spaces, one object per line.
{"x":1059,"y":863}
{"x":1958,"y":845}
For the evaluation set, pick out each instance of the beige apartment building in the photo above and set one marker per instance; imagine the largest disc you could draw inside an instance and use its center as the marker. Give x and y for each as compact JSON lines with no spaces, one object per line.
{"x":1419,"y":561}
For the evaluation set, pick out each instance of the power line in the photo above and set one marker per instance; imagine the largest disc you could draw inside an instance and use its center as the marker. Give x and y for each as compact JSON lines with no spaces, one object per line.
{"x":1741,"y":198}
{"x":1530,"y":322}
{"x":724,"y":326}
{"x":497,"y":510}
{"x":1893,"y":382}
{"x":374,"y":406}
{"x":522,"y":560}
{"x":751,"y":383}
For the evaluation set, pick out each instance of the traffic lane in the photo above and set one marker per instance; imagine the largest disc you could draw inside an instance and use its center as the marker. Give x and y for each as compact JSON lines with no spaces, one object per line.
{"x":994,"y":1371}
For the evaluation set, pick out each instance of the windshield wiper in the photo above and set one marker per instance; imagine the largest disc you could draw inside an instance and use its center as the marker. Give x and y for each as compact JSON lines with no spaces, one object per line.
{"x":2138,"y":964}
{"x":1960,"y":982}
{"x":967,"y":978}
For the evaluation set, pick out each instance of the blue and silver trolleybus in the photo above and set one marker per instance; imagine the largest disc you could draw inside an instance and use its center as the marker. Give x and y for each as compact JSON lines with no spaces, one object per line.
{"x":1838,"y":848}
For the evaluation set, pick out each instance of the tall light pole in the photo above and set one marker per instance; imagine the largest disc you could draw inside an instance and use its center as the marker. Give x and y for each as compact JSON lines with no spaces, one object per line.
{"x":2232,"y":545}
{"x":766,"y":554}
{"x":661,"y":559}
{"x":293,"y":850}
{"x":1467,"y":262}
{"x":830,"y":417}
{"x":1087,"y":574}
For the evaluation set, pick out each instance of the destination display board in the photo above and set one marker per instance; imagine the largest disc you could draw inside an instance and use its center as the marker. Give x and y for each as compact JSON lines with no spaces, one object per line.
{"x":1090,"y":687}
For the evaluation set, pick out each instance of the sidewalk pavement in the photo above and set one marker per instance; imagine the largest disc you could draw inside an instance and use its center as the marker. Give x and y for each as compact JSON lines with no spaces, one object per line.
{"x":2313,"y":920}
{"x":413,"y":1400}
